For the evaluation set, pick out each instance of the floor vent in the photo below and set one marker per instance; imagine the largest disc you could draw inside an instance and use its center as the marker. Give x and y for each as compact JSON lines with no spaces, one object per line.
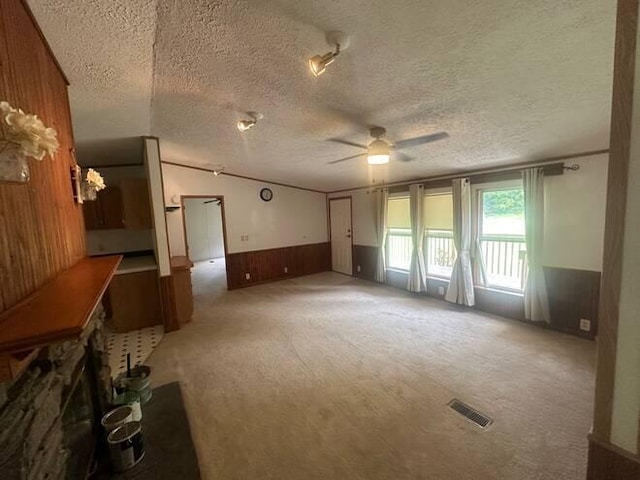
{"x":466,"y":411}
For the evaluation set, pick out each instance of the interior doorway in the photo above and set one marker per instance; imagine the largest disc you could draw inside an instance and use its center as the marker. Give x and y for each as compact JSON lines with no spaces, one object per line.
{"x":205,"y":240}
{"x":341,"y":233}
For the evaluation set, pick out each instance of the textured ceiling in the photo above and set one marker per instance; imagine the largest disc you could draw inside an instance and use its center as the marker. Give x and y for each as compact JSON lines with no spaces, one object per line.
{"x":508,"y":80}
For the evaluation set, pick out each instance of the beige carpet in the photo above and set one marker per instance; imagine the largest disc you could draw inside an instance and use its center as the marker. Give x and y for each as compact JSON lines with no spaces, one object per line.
{"x":328,"y":377}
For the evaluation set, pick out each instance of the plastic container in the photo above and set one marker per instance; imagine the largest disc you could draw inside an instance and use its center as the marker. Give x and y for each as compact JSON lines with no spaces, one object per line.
{"x":132,"y":399}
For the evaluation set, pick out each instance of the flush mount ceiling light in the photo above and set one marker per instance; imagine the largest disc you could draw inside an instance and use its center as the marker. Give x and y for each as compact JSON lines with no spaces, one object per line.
{"x":244,"y":125}
{"x":318,"y":63}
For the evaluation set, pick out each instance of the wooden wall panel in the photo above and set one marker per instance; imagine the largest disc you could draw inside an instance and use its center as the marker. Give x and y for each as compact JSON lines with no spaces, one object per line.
{"x":573,"y":294}
{"x":268,"y":265}
{"x":607,"y":462}
{"x":365,"y":258}
{"x":41,"y":227}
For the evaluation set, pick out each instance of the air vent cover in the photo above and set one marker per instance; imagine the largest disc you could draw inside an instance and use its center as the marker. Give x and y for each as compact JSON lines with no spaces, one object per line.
{"x":471,"y":414}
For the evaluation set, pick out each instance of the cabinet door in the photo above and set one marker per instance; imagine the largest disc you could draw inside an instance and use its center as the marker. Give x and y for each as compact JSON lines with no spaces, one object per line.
{"x":92,"y":215}
{"x":111,"y":208}
{"x":135,"y":301}
{"x":135,"y":199}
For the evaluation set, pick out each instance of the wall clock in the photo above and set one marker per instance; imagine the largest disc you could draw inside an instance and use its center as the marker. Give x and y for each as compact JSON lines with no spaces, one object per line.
{"x":266,"y":194}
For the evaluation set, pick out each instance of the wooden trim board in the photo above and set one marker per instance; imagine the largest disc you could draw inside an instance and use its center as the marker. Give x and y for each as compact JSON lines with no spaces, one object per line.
{"x":621,"y":118}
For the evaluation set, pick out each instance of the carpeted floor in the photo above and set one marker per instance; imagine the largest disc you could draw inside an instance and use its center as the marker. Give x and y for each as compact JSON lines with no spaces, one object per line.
{"x":329,"y":377}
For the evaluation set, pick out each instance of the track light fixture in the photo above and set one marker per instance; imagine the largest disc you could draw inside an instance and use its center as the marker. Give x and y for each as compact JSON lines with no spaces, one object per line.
{"x":318,"y":63}
{"x":244,"y":125}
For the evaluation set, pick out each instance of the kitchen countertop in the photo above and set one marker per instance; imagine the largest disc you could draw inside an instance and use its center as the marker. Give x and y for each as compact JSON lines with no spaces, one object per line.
{"x":142,"y":263}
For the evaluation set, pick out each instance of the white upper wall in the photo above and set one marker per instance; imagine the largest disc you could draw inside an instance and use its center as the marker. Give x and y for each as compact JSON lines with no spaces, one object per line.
{"x":574,"y":219}
{"x":575,"y":205}
{"x":292,"y":217}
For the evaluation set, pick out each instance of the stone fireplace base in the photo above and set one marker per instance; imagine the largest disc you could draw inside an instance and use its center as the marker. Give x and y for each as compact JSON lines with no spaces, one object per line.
{"x":42,"y":411}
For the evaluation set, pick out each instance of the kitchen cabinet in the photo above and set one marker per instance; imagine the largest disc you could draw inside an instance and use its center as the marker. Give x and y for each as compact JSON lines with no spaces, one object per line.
{"x":134,"y":301}
{"x":125,"y":205}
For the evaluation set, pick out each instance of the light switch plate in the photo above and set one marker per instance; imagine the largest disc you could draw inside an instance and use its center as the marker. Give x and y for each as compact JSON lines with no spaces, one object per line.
{"x":585,"y":325}
{"x":440,"y":290}
{"x":247,"y":276}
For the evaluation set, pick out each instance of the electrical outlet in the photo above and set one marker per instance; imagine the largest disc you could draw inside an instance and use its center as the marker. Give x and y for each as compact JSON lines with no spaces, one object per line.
{"x":440,"y":290}
{"x":358,"y":268}
{"x":247,"y":276}
{"x":585,"y":324}
{"x":286,"y":270}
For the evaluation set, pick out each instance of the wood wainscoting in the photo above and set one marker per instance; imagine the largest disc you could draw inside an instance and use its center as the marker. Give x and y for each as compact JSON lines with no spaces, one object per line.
{"x":40,"y":224}
{"x":365,"y":260}
{"x":608,"y":462}
{"x":573,"y":294}
{"x":269,"y":265}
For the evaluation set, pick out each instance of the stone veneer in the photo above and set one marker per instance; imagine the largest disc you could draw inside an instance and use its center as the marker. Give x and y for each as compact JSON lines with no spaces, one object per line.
{"x":31,"y":407}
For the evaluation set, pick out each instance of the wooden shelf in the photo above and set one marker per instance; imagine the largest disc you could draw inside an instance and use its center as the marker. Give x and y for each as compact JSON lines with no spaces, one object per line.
{"x":59,"y":310}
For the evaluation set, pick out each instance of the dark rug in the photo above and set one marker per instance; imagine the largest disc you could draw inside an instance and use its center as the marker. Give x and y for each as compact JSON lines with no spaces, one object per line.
{"x":169,"y":450}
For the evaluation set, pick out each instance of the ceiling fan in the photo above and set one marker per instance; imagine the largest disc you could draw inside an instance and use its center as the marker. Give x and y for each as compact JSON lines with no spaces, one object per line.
{"x":379,"y":151}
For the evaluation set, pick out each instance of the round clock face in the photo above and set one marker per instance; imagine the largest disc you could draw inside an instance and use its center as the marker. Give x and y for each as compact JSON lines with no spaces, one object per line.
{"x":266,"y":194}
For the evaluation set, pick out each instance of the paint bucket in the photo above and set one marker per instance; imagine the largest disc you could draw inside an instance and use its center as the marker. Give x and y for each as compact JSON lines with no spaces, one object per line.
{"x":138,"y":380}
{"x":132,"y":399}
{"x":125,"y":446}
{"x":116,"y":418}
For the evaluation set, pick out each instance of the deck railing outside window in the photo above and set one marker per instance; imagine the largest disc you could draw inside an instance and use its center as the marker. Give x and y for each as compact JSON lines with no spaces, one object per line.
{"x":399,"y":248}
{"x":505,"y":259}
{"x":505,"y":256}
{"x":439,"y":252}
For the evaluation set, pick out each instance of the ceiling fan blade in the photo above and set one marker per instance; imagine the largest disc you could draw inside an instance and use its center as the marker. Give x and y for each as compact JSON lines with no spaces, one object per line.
{"x":348,"y":158}
{"x":414,"y":142}
{"x":401,"y":157}
{"x":347,"y":142}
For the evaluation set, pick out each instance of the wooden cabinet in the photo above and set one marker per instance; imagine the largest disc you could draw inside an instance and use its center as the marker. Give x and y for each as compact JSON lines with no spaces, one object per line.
{"x":135,"y":199}
{"x":120,"y":206}
{"x":134,"y":301}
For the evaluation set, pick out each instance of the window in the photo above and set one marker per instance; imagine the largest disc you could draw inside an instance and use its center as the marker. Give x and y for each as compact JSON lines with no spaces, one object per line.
{"x":439,"y":249}
{"x":399,"y":237}
{"x":502,"y":236}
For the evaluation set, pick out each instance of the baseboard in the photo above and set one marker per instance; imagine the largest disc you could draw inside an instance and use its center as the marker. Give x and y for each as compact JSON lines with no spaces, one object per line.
{"x":608,"y":462}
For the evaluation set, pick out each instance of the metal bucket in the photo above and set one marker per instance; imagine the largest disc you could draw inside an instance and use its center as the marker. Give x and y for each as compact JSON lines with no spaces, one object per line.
{"x":116,"y":418}
{"x":125,"y":446}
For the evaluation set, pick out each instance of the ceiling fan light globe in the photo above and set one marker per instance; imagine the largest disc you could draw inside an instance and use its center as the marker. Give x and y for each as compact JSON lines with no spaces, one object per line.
{"x":378,"y":159}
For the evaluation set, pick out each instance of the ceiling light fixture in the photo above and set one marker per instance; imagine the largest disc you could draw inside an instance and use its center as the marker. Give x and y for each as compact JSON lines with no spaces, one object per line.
{"x":379,"y":152}
{"x":244,"y":125}
{"x":218,"y":169}
{"x":318,"y":63}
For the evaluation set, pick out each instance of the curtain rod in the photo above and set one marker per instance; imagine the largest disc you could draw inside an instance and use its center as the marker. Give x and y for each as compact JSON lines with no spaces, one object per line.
{"x":507,"y":168}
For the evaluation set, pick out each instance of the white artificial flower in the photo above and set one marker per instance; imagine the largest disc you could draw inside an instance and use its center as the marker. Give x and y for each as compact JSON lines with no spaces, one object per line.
{"x":95,"y":180}
{"x":28,"y":131}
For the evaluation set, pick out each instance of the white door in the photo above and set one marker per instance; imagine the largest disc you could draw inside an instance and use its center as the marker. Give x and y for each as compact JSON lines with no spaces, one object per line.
{"x":340,"y":213}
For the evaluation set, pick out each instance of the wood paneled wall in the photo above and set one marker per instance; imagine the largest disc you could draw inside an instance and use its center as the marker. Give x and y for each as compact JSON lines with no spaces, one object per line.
{"x":608,"y":462}
{"x":573,"y":294}
{"x":268,"y":265}
{"x":365,"y":259}
{"x":41,"y":227}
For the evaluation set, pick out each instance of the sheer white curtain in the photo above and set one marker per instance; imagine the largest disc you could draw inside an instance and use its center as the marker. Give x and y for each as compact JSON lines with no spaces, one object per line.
{"x":382,"y":197}
{"x":417,"y":271}
{"x":536,"y":303}
{"x":461,"y":284}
